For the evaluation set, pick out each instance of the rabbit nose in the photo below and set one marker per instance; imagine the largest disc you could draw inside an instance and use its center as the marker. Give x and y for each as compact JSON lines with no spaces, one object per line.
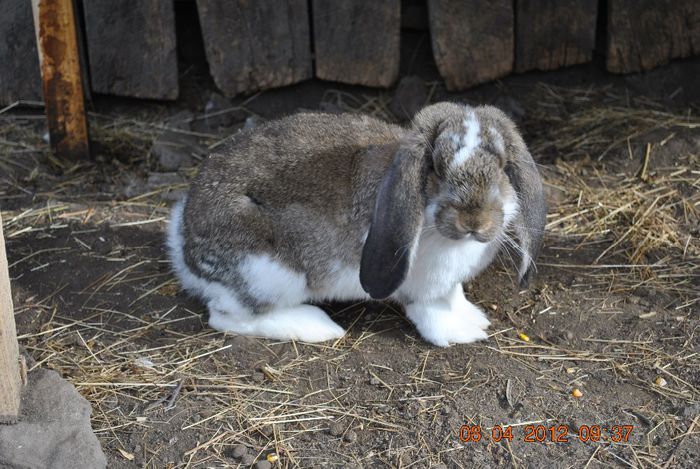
{"x":482,"y":236}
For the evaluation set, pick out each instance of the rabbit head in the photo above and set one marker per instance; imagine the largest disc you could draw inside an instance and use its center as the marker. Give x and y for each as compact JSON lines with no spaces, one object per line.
{"x":463,"y":171}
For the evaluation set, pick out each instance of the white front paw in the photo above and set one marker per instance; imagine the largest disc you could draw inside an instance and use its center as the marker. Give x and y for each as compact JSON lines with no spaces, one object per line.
{"x":459,"y":303}
{"x":477,"y":316}
{"x":442,"y":325}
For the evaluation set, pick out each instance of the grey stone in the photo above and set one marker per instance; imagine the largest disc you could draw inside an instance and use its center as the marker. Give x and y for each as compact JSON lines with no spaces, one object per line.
{"x":263,"y":465}
{"x":247,"y":459}
{"x":410,"y":96}
{"x":175,"y":150}
{"x":350,"y":436}
{"x":252,"y":122}
{"x":239,"y":450}
{"x":54,"y":430}
{"x":336,"y":429}
{"x":219,"y":112}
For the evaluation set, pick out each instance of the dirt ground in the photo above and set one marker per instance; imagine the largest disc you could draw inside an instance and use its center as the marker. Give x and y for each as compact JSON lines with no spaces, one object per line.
{"x":613,"y":312}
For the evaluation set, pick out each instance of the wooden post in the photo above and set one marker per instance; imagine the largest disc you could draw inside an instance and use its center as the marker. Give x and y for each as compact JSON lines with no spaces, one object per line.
{"x":472,"y":40}
{"x":10,"y":380}
{"x":256,"y":45}
{"x":59,"y":60}
{"x":131,"y":46}
{"x":550,"y":34}
{"x":643,"y":34}
{"x":356,"y":41}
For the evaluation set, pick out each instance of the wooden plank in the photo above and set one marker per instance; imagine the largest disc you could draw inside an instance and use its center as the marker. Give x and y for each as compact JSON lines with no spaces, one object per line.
{"x":59,"y":60}
{"x":132,"y":48}
{"x":20,"y":78}
{"x":643,"y":34}
{"x":10,"y":379}
{"x":472,"y":40}
{"x":550,"y":34}
{"x":356,"y":41}
{"x":256,"y":45}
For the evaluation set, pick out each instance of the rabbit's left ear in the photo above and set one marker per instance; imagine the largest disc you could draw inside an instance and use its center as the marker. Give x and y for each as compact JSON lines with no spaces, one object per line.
{"x":396,"y":221}
{"x":529,"y":224}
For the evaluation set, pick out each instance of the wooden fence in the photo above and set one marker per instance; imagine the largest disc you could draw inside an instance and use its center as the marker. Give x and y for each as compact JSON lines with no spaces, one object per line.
{"x":130,"y":45}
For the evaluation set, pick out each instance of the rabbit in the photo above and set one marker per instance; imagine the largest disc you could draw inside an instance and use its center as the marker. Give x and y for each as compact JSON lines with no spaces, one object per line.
{"x":315,"y":207}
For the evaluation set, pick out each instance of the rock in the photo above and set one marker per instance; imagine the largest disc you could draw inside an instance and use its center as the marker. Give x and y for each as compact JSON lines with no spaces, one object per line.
{"x":247,"y":459}
{"x":54,"y":430}
{"x":336,"y":429}
{"x":263,"y":465}
{"x":512,"y":107}
{"x":218,"y":112}
{"x":239,"y":451}
{"x":409,"y":97}
{"x":374,"y":381}
{"x":175,"y":148}
{"x":213,"y":115}
{"x":350,"y":436}
{"x":252,"y":122}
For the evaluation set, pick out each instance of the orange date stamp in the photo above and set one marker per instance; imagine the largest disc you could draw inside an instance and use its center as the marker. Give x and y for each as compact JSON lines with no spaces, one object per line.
{"x":546,"y":433}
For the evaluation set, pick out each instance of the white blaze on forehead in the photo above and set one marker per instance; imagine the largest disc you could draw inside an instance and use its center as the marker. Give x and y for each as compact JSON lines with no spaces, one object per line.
{"x":470,"y":140}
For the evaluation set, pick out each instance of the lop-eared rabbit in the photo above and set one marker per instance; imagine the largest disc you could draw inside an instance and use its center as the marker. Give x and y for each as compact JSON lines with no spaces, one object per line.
{"x":315,"y":207}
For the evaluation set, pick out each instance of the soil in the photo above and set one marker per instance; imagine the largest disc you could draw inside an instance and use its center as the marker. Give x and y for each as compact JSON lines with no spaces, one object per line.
{"x":96,"y":302}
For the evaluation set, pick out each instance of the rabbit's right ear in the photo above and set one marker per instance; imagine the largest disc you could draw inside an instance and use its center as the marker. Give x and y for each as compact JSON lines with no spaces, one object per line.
{"x":396,"y":221}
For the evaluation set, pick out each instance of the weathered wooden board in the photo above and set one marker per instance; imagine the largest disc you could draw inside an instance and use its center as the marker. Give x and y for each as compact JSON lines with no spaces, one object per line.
{"x":62,"y":80}
{"x":10,"y":380}
{"x":643,"y":34}
{"x":472,"y":40}
{"x":132,"y":48}
{"x":255,"y":45}
{"x":550,"y":34}
{"x":357,"y":41}
{"x":20,"y":78}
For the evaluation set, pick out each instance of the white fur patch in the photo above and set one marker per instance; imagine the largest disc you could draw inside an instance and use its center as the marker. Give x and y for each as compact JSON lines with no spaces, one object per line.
{"x":459,"y":303}
{"x":342,"y":284}
{"x":440,"y":263}
{"x":470,"y":140}
{"x":270,"y":281}
{"x":497,"y":138}
{"x":449,"y":320}
{"x":303,"y":322}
